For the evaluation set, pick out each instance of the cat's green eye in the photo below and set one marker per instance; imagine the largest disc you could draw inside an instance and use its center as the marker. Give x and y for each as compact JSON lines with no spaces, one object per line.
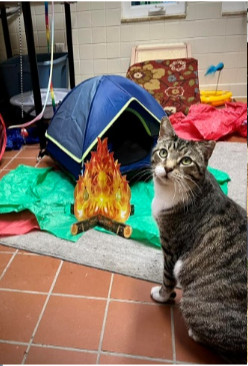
{"x":186,"y":160}
{"x":163,"y":153}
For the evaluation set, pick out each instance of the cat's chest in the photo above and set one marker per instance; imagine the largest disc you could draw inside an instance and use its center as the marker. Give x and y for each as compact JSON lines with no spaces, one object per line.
{"x":165,"y":198}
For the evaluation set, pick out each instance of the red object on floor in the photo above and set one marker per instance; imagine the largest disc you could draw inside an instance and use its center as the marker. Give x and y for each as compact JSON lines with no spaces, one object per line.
{"x":17,"y":223}
{"x":206,"y":122}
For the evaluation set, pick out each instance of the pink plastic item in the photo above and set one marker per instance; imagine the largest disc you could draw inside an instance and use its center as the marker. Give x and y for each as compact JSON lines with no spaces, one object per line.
{"x":17,"y":223}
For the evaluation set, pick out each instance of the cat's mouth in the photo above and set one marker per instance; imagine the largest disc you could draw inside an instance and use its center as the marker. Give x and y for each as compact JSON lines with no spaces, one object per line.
{"x":161,"y":174}
{"x":165,"y":179}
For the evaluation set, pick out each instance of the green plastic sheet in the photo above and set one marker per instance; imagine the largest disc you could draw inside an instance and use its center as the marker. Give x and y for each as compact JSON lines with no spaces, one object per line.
{"x":48,"y":194}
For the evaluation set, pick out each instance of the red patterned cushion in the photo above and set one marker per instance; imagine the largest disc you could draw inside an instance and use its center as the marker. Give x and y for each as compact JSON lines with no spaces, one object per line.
{"x":173,"y":83}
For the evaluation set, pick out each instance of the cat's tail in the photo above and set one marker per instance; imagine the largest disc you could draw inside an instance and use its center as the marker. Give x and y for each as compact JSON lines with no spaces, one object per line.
{"x":235,"y":358}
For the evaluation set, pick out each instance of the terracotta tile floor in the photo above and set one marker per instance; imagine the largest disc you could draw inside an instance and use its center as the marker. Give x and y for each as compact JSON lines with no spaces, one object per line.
{"x":55,"y":312}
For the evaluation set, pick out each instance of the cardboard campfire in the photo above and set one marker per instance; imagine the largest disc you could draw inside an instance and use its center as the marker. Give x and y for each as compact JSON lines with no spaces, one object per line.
{"x":102,"y":195}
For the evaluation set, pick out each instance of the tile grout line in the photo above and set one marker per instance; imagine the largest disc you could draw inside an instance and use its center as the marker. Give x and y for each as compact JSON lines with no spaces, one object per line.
{"x":42,"y":313}
{"x":8,"y":264}
{"x":173,"y":341}
{"x":7,"y":289}
{"x":4,"y":170}
{"x":64,"y":348}
{"x":104,"y":320}
{"x":81,"y":350}
{"x":79,"y":296}
{"x":137,"y":357}
{"x":38,"y":161}
{"x":11,"y":159}
{"x":17,"y":343}
{"x":5,"y":167}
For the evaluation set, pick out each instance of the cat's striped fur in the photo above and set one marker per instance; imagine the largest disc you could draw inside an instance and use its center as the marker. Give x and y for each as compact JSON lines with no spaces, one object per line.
{"x":203,"y":237}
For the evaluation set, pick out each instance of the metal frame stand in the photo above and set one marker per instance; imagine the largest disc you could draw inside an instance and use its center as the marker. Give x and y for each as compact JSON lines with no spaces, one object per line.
{"x":32,"y":57}
{"x":6,"y":32}
{"x":69,"y":43}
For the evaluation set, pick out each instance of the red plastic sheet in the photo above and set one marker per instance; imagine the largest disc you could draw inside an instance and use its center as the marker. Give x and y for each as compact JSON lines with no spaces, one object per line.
{"x":206,"y":122}
{"x":17,"y":223}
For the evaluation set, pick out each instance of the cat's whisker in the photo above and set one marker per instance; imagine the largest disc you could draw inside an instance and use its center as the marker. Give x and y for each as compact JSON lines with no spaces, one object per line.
{"x":175,"y":188}
{"x":186,"y":189}
{"x":174,"y":195}
{"x":189,"y":192}
{"x":195,"y":184}
{"x":140,"y":175}
{"x":182,"y":191}
{"x":144,"y":170}
{"x":148,"y":178}
{"x":147,"y":171}
{"x":191,"y":197}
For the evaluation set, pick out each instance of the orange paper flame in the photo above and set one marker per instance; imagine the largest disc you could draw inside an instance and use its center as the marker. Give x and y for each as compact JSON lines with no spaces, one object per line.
{"x":102,"y":190}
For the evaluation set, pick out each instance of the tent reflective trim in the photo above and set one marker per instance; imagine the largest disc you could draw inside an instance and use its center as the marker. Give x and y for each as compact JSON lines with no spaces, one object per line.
{"x":137,"y":114}
{"x":63,"y":148}
{"x":125,"y":107}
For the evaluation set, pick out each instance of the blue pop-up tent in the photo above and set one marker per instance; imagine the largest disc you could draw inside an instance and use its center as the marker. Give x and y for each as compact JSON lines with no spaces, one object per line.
{"x":105,"y":106}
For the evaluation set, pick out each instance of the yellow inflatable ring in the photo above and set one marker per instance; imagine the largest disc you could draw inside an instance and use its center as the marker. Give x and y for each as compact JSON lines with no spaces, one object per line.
{"x":215,"y":98}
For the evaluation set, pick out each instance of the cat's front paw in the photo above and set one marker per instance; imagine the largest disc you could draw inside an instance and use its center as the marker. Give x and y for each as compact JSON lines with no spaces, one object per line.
{"x":158,"y":296}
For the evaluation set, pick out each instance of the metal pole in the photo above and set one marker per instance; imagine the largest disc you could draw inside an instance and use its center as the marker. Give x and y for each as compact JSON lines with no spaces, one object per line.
{"x":41,"y":125}
{"x":69,"y":43}
{"x":6,"y":32}
{"x":32,"y":55}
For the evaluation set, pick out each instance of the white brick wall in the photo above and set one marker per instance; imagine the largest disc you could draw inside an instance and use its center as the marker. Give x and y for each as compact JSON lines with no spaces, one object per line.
{"x":102,"y":44}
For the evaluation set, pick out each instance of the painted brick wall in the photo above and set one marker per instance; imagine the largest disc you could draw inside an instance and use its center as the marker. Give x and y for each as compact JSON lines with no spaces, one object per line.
{"x":102,"y":44}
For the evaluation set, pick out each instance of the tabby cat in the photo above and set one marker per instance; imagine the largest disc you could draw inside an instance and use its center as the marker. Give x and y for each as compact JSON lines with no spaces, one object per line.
{"x":203,"y":238}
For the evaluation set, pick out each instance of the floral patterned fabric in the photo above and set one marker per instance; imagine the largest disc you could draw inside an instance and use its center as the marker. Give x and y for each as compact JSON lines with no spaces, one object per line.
{"x":173,"y":83}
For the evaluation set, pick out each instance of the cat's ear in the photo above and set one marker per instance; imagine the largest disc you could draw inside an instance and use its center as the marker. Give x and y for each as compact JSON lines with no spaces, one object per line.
{"x":166,"y":129}
{"x":207,"y":148}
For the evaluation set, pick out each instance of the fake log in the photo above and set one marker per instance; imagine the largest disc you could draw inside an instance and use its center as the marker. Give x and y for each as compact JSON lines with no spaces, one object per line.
{"x":81,"y":226}
{"x":116,"y":227}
